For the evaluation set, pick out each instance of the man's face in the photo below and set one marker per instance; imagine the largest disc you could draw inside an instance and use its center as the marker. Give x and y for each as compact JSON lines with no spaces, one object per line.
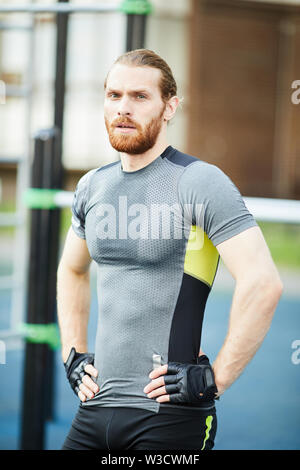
{"x":133,"y":108}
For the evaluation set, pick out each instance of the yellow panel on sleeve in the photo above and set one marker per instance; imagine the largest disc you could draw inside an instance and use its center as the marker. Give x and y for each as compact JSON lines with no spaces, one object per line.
{"x":202,"y":257}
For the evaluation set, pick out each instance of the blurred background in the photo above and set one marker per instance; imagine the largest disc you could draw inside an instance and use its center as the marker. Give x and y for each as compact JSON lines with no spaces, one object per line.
{"x":237,"y":66}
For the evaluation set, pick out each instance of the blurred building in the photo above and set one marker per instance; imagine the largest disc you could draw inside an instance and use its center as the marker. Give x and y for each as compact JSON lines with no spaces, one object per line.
{"x":244,"y":58}
{"x":234,"y":61}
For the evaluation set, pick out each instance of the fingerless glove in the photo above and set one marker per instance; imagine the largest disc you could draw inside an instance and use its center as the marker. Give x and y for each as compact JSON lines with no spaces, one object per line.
{"x":189,"y":383}
{"x":74,"y":367}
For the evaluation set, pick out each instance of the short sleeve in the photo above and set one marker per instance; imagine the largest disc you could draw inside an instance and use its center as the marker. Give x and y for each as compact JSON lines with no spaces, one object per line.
{"x":217,"y":204}
{"x":79,"y":204}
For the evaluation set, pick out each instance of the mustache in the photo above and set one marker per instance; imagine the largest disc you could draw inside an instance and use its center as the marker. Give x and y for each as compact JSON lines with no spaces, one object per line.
{"x":124,"y":122}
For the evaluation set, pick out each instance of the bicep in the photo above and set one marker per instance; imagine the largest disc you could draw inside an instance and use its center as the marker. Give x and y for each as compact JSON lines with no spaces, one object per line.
{"x":75,"y":253}
{"x":247,"y":254}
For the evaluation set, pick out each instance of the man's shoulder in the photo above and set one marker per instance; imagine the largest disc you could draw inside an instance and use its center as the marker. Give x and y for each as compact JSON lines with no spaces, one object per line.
{"x":86,"y":178}
{"x":179,"y":158}
{"x":187,"y":161}
{"x":194,"y":168}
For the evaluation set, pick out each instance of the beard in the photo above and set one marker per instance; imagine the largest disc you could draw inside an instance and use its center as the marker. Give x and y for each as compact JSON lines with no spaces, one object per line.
{"x":141,"y":141}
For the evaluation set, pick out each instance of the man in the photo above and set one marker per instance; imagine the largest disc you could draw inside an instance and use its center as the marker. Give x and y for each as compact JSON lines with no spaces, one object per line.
{"x":156,"y":223}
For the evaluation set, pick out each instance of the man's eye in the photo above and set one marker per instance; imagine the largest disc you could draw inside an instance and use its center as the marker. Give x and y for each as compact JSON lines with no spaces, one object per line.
{"x":141,"y":96}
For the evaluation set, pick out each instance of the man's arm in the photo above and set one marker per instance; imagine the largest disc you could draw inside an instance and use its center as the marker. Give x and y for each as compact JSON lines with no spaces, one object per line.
{"x":73,"y":304}
{"x":257,"y":291}
{"x":73,"y":294}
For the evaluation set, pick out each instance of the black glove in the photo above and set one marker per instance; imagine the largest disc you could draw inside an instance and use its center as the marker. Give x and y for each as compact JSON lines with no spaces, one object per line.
{"x":75,"y":367}
{"x":189,"y":383}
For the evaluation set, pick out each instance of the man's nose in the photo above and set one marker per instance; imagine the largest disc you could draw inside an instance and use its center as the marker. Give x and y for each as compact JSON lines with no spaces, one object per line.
{"x":124,"y":108}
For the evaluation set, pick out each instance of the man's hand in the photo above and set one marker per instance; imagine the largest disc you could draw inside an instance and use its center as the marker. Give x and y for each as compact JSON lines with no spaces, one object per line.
{"x":76,"y":366}
{"x":157,"y":388}
{"x":183,"y":383}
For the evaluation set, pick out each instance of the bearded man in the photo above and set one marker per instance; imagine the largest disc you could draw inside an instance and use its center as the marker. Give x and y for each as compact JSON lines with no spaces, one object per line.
{"x":156,"y":223}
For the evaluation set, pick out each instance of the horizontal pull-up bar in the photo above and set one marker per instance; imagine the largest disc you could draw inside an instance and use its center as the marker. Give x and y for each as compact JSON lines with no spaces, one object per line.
{"x":134,"y":7}
{"x":264,"y":209}
{"x":57,"y":8}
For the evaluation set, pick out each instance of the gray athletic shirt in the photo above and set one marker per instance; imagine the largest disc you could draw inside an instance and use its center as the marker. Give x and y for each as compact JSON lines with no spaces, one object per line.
{"x":152,"y":234}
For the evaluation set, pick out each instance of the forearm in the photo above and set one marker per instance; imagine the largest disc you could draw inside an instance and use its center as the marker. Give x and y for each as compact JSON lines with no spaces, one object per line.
{"x":73,"y":305}
{"x":251,"y":314}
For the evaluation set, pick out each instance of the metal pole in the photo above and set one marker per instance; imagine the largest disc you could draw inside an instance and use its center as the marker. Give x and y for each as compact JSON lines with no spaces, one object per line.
{"x":136,"y":31}
{"x":60,"y":72}
{"x":137,"y":12}
{"x":40,"y":311}
{"x":58,"y":8}
{"x":53,"y":179}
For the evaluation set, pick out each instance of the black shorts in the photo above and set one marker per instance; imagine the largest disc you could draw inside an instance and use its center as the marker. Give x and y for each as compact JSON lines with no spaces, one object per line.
{"x":124,"y":428}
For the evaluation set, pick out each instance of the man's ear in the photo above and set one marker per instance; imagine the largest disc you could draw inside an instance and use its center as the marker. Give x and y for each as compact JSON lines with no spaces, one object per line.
{"x":171,"y":107}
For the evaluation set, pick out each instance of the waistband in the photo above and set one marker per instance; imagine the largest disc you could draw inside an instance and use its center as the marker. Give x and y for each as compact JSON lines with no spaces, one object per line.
{"x":181,"y":409}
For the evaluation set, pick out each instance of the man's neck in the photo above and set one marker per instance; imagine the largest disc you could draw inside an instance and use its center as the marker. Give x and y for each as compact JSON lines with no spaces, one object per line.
{"x":136,"y":162}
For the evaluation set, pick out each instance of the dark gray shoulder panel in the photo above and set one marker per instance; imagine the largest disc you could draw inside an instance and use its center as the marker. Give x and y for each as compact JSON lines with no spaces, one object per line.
{"x":179,"y":158}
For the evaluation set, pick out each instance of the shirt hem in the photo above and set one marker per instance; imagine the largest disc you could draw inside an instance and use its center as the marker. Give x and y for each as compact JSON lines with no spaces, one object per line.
{"x":153,"y":406}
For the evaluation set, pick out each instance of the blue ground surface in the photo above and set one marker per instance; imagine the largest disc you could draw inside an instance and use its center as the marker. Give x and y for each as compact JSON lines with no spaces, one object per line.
{"x":260,"y":411}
